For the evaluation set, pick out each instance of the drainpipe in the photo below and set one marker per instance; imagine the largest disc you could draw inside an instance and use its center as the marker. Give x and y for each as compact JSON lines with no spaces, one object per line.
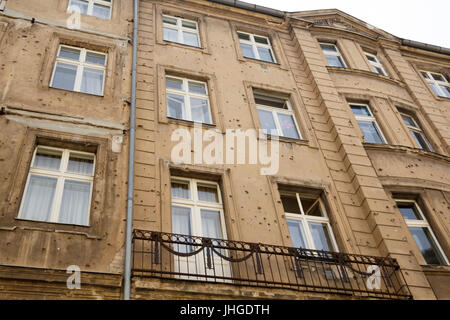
{"x":129,"y":223}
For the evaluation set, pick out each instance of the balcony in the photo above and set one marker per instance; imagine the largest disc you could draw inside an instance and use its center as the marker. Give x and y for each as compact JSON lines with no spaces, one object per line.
{"x":174,"y":256}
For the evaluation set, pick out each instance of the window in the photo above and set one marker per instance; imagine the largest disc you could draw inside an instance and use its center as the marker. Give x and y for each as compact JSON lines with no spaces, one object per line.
{"x":59,"y":186}
{"x":308,"y":222}
{"x":368,"y":124}
{"x":333,"y":55}
{"x":422,"y":233}
{"x":416,"y":132}
{"x":187,"y":100}
{"x":438,"y":83}
{"x":197,"y":210}
{"x":79,"y":70}
{"x":256,"y":47}
{"x":181,"y":31}
{"x":276,"y":116}
{"x":97,"y":8}
{"x":376,"y":64}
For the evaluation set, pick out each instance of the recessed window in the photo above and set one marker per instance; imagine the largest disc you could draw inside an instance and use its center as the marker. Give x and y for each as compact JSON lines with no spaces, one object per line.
{"x":59,"y":186}
{"x":333,"y":55}
{"x":256,"y":47}
{"x":368,"y":124}
{"x":438,"y":83}
{"x":181,"y":31}
{"x":308,"y":222}
{"x":96,"y":8}
{"x":276,"y":116}
{"x":422,"y":233}
{"x":377,"y":66}
{"x":79,"y":70}
{"x":416,"y":132}
{"x":187,"y":100}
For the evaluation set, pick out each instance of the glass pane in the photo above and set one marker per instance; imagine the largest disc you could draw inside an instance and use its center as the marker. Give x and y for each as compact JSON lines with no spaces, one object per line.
{"x":199,"y":88}
{"x":95,"y":58}
{"x":321,"y":236}
{"x":421,"y":141}
{"x":409,"y":211}
{"x":191,"y":39}
{"x":247,"y":51}
{"x":427,"y":245}
{"x":371,"y":58}
{"x":438,"y":77}
{"x":200,"y":110}
{"x":360,"y":110}
{"x":208,"y":193}
{"x":39,"y":198}
{"x":81,"y":164}
{"x":47,"y":159}
{"x":170,"y":35}
{"x":314,"y":211}
{"x":290,"y":204}
{"x":297,"y":234}
{"x":288,"y":126}
{"x":175,"y":106}
{"x":267,"y":122}
{"x":80,"y":6}
{"x":307,"y":204}
{"x":69,"y":53}
{"x":101,"y":11}
{"x":75,"y":203}
{"x":270,"y":101}
{"x":425,"y":75}
{"x":172,"y":83}
{"x":261,"y":40}
{"x":265,"y":54}
{"x":181,"y":224}
{"x":170,"y":20}
{"x":446,"y":91}
{"x":409,"y":121}
{"x":189,"y":24}
{"x":211,"y":226}
{"x":335,"y":61}
{"x":92,"y":81}
{"x":436,"y":89}
{"x":379,"y":70}
{"x":64,"y":77}
{"x":180,"y":190}
{"x":371,"y":134}
{"x":244,"y":36}
{"x":328,"y":47}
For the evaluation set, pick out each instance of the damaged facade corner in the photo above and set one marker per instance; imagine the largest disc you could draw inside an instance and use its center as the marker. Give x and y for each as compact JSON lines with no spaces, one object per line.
{"x":362,"y":119}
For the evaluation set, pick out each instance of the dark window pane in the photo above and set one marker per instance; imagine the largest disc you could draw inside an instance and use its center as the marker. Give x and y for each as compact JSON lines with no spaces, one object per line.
{"x":370,"y":131}
{"x":360,"y":110}
{"x":290,"y":204}
{"x":427,"y":246}
{"x":409,"y":211}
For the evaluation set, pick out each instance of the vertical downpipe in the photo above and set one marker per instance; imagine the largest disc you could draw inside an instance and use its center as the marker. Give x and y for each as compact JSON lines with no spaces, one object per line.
{"x":129,"y":223}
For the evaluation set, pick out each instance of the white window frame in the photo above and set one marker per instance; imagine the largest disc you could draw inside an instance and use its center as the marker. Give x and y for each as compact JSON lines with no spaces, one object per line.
{"x":430,"y":80}
{"x":255,"y":46}
{"x":187,"y":95}
{"x":289,"y":111}
{"x":91,"y":7}
{"x":179,"y":28}
{"x":195,"y":205}
{"x":416,"y":128}
{"x":423,"y":224}
{"x":304,"y":219}
{"x":376,"y":64}
{"x":370,"y":118}
{"x":337,"y":53}
{"x":2,"y":5}
{"x":81,"y":64}
{"x":61,"y":175}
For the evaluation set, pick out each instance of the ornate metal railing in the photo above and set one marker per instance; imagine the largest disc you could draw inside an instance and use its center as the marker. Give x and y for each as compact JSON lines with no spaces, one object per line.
{"x":174,"y":256}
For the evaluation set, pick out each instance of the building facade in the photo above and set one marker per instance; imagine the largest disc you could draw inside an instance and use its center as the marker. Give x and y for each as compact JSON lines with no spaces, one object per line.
{"x":357,"y":205}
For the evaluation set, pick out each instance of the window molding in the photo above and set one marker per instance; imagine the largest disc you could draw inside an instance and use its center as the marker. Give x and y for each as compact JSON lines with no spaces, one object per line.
{"x":367,"y":118}
{"x":255,"y":45}
{"x":421,"y":223}
{"x":181,"y":29}
{"x":200,"y":19}
{"x":375,"y":63}
{"x":16,"y":185}
{"x":213,"y":95}
{"x":436,"y":85}
{"x":337,"y":53}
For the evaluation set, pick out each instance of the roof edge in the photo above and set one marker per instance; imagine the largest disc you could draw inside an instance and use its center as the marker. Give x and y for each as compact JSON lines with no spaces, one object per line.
{"x":425,"y":46}
{"x":251,"y":7}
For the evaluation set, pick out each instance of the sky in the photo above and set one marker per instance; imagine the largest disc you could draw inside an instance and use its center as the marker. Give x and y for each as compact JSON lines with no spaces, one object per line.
{"x":419,"y":20}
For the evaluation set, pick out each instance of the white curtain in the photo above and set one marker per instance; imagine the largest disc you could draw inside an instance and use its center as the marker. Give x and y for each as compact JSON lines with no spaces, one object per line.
{"x":75,"y":203}
{"x":39,"y":198}
{"x":181,"y":224}
{"x":180,"y":190}
{"x":211,"y":227}
{"x":47,"y":161}
{"x":81,"y":166}
{"x":64,"y":77}
{"x":208,"y":194}
{"x":92,"y":81}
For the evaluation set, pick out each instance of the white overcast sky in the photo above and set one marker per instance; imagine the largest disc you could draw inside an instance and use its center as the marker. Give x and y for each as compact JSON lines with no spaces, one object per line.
{"x":426,"y":21}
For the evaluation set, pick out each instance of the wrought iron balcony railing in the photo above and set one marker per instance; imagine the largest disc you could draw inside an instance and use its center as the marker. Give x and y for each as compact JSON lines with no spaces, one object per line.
{"x":173,"y":256}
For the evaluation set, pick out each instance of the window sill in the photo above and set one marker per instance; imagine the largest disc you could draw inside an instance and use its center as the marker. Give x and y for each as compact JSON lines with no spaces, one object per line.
{"x":78,"y":92}
{"x":288,"y":140}
{"x":54,"y":223}
{"x":406,"y":149}
{"x":184,"y":46}
{"x":263,"y":63}
{"x":190,"y":123}
{"x":366,"y":73}
{"x":436,"y":269}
